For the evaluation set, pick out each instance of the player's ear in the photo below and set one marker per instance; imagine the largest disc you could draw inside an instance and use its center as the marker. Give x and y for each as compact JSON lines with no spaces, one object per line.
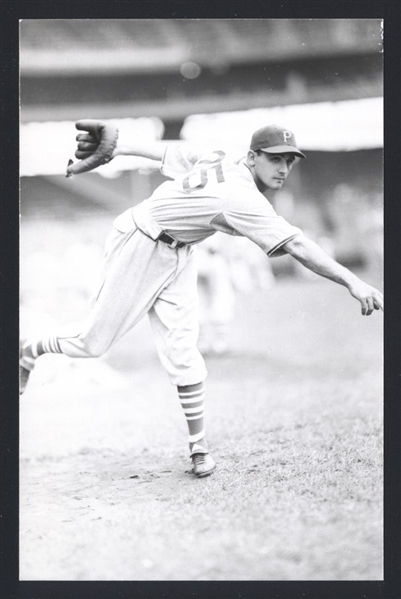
{"x":250,"y":158}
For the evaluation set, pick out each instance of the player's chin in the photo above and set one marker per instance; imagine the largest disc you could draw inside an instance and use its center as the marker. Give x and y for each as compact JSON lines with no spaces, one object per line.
{"x":277,"y":183}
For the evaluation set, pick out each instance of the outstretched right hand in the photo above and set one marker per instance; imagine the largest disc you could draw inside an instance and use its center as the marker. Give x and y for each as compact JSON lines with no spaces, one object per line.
{"x":370,"y":298}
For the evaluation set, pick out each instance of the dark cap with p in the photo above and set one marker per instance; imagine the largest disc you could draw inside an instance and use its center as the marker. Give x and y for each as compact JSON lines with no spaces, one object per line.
{"x":275,"y":140}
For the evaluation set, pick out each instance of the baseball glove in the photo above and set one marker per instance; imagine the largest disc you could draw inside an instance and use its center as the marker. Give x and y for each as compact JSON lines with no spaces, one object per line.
{"x":95,"y":147}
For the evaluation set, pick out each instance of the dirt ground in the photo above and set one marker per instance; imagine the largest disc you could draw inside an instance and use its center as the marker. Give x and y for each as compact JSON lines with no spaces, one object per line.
{"x":294,"y":415}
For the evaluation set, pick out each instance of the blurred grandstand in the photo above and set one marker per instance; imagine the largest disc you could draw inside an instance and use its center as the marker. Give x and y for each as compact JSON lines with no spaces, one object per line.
{"x":174,"y":68}
{"x":181,"y":78}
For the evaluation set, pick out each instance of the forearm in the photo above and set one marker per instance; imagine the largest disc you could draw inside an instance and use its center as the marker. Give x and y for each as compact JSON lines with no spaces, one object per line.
{"x":152,"y":150}
{"x":310,"y":255}
{"x":313,"y":257}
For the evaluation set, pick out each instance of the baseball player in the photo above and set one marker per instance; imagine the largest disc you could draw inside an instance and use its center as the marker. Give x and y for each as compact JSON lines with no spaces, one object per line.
{"x":217,"y":295}
{"x":150,"y":265}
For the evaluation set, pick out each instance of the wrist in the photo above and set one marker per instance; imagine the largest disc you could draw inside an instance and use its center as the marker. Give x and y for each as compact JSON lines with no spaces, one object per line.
{"x":349,"y":279}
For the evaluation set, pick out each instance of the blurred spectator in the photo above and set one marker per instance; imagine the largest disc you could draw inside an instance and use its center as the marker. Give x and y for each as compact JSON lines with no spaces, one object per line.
{"x":373,"y":234}
{"x":226,"y":267}
{"x":310,"y":218}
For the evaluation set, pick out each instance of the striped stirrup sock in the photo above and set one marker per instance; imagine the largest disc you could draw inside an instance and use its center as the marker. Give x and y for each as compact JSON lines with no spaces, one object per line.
{"x":33,"y":349}
{"x":192,"y":398}
{"x":47,"y":345}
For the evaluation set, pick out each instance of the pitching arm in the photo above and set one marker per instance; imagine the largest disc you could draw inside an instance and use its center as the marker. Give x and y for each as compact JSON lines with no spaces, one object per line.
{"x":152,"y":150}
{"x":310,"y":255}
{"x":176,"y":158}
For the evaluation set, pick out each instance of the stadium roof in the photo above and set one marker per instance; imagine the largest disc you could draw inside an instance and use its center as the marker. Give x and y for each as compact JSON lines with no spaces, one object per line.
{"x":73,"y":46}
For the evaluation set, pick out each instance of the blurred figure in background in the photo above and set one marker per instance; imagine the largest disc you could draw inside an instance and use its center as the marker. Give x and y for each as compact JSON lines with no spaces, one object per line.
{"x":217,"y":292}
{"x":226,"y":267}
{"x":309,"y":219}
{"x":372,"y":229}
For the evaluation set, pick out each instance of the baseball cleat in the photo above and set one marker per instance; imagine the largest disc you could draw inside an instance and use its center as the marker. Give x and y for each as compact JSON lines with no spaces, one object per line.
{"x":26,"y":365}
{"x":203,"y":464}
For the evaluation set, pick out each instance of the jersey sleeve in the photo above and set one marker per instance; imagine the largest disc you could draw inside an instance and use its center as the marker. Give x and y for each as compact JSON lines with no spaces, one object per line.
{"x":254,"y":217}
{"x":179,"y":159}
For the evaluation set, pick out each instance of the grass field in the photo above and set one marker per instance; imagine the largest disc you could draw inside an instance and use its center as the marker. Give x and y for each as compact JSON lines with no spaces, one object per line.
{"x":294,"y":416}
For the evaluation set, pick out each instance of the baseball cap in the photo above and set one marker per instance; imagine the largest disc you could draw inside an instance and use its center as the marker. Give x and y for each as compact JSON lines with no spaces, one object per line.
{"x":275,"y":140}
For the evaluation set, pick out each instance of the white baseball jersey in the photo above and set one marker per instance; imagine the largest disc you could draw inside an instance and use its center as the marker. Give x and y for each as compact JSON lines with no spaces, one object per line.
{"x":209,"y":193}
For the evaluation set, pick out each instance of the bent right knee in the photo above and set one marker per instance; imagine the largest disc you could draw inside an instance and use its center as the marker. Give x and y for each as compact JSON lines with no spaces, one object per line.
{"x":95,"y":349}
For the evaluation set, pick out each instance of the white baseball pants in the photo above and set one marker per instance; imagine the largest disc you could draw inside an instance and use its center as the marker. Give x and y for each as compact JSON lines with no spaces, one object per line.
{"x":143,"y":276}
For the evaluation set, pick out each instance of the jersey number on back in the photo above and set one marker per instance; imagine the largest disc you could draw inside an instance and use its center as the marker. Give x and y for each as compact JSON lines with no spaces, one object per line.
{"x":199,"y":176}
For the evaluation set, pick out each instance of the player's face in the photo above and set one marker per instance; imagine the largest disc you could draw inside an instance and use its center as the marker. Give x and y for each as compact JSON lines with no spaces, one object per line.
{"x":270,"y":170}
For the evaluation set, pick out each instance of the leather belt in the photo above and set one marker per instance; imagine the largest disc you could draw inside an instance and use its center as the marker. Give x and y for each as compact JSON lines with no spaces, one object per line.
{"x":170,"y":241}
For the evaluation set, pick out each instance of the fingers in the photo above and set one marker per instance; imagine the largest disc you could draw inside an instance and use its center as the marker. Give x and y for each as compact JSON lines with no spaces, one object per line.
{"x":365,"y":308}
{"x":82,"y":155}
{"x":89,"y":125}
{"x":370,"y":306}
{"x":86,"y":137}
{"x":379,"y":301}
{"x":371,"y":299}
{"x":371,"y":303}
{"x":86,"y":146}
